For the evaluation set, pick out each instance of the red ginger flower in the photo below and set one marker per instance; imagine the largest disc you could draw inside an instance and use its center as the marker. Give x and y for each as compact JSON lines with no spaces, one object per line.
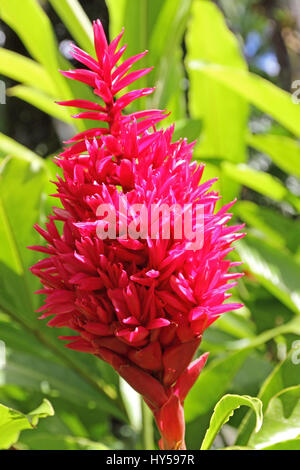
{"x":140,"y":304}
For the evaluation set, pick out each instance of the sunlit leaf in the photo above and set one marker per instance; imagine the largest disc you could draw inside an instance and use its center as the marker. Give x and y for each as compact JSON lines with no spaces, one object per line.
{"x":25,"y":70}
{"x":281,"y":419}
{"x":12,"y":422}
{"x":224,"y":409}
{"x":275,"y":269}
{"x":285,"y":375}
{"x":41,"y":101}
{"x":263,"y":94}
{"x":223,"y":112}
{"x":284,"y":151}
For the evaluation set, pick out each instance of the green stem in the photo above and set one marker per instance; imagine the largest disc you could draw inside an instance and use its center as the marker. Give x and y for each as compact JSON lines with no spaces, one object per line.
{"x":147,"y":431}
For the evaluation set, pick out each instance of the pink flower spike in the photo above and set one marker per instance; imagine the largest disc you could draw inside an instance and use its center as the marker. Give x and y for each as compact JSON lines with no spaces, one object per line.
{"x":91,"y":115}
{"x":130,"y":78}
{"x":189,"y":377}
{"x":158,"y":323}
{"x":85,"y":59}
{"x":114,"y":44}
{"x":82,"y":104}
{"x":84,"y":76}
{"x":101,"y":45}
{"x":135,"y":297}
{"x":127,"y":64}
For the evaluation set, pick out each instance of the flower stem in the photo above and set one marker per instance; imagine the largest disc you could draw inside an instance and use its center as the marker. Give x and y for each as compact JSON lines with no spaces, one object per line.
{"x":147,"y":431}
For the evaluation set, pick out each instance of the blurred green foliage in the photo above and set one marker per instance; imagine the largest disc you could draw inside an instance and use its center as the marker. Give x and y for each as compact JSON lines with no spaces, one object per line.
{"x":248,"y":131}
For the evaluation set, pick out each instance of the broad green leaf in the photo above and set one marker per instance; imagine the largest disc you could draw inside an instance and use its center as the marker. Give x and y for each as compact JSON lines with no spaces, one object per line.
{"x":236,"y":325}
{"x":77,"y":22}
{"x":116,"y":10}
{"x":12,"y":148}
{"x":293,"y":444}
{"x":20,"y":340}
{"x":284,"y":151}
{"x":276,"y":269}
{"x":169,"y":28}
{"x":259,"y":181}
{"x":42,"y":102}
{"x":274,"y":227}
{"x":281,"y":419}
{"x":263,"y":94}
{"x":158,"y":26}
{"x":285,"y":375}
{"x":210,"y":41}
{"x":41,"y":43}
{"x":47,"y":441}
{"x":12,"y":422}
{"x":138,"y":17}
{"x":39,"y":40}
{"x":25,"y":70}
{"x":166,"y":54}
{"x":224,"y":409}
{"x":189,"y":128}
{"x":17,"y":217}
{"x":35,"y":374}
{"x":168,"y":78}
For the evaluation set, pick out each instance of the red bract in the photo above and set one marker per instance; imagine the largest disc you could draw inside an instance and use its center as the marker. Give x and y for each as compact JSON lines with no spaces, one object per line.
{"x":139,"y":304}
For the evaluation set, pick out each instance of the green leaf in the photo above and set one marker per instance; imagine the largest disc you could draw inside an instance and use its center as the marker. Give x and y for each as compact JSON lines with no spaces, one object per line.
{"x":39,"y":40}
{"x":166,"y":55}
{"x":169,"y":28}
{"x":17,"y":217}
{"x":12,"y":422}
{"x":210,"y":41}
{"x":77,"y":22}
{"x":158,"y":26}
{"x":285,"y":375}
{"x":12,"y":148}
{"x":138,"y":17}
{"x":25,"y":70}
{"x":276,"y":270}
{"x":187,"y":128}
{"x":272,"y":226}
{"x":224,"y":409}
{"x":293,"y":444}
{"x":263,"y":183}
{"x":41,"y":101}
{"x":16,"y":233}
{"x":46,"y":441}
{"x":236,"y":325}
{"x":263,"y":94}
{"x":28,"y":371}
{"x":284,"y":151}
{"x":116,"y":10}
{"x":219,"y":375}
{"x":281,"y":419}
{"x":292,"y":327}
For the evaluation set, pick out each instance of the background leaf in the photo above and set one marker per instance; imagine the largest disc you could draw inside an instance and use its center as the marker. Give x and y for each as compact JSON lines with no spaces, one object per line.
{"x":224,"y":409}
{"x":13,"y":422}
